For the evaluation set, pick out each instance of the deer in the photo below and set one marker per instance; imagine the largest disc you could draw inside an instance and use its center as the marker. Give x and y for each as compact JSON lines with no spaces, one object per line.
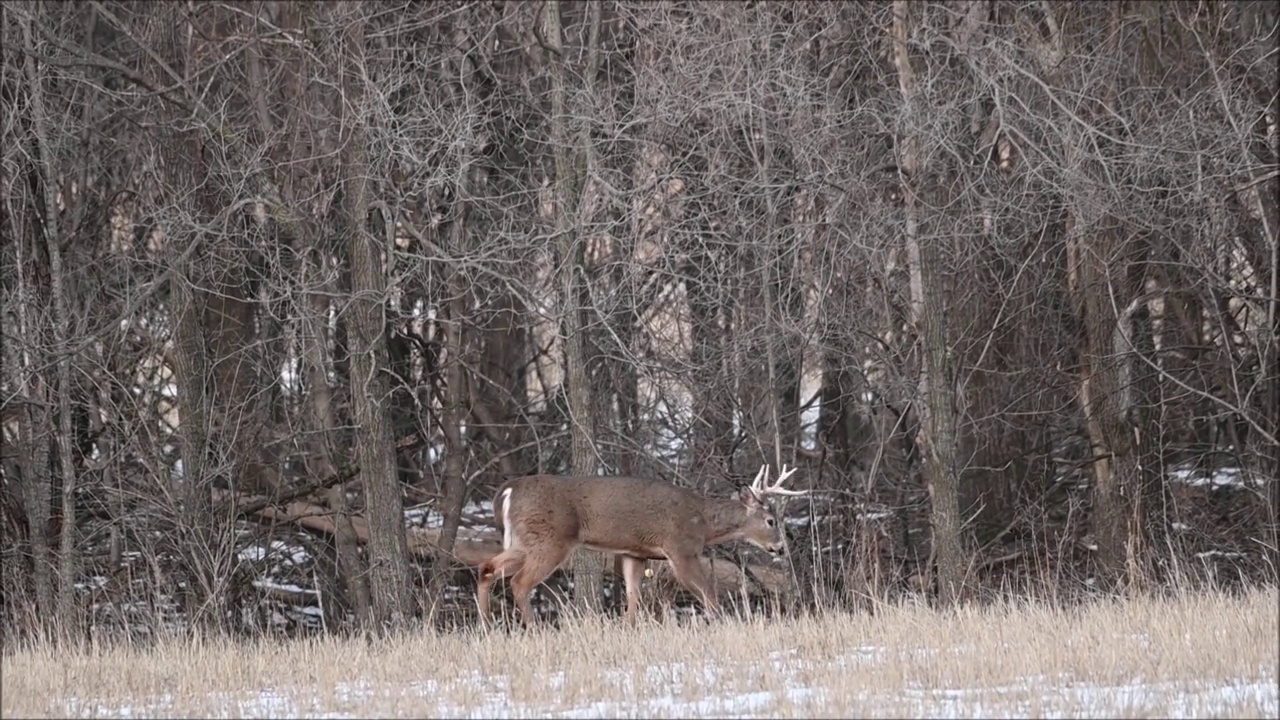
{"x":544,"y":518}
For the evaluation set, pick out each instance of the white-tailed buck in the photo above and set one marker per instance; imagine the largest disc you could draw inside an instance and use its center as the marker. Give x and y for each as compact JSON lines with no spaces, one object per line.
{"x":543,"y":518}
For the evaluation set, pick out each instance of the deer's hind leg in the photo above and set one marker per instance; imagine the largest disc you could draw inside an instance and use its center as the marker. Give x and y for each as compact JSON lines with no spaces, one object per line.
{"x":538,"y":566}
{"x":503,"y":565}
{"x":632,"y":570}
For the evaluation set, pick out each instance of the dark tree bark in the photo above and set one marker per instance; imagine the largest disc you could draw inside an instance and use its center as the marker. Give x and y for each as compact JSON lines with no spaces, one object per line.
{"x":1101,"y":274}
{"x":1105,"y":396}
{"x":375,"y":450}
{"x":938,"y":436}
{"x":456,"y":395}
{"x":324,"y":448}
{"x":496,"y":396}
{"x":571,"y":163}
{"x":712,"y":431}
{"x":190,"y":370}
{"x":62,"y":391}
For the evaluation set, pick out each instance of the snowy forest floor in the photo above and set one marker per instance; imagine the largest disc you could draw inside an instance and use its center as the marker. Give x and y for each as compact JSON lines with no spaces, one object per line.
{"x":1191,"y":655}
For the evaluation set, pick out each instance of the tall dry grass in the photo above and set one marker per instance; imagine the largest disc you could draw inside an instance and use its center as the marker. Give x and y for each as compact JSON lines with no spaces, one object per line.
{"x":1195,"y":654}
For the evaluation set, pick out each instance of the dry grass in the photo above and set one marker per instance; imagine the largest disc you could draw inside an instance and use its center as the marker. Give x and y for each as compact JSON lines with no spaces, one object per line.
{"x":1197,"y":655}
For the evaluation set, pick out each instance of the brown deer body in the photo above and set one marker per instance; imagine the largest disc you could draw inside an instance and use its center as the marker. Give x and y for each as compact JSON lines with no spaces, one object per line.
{"x":544,"y":518}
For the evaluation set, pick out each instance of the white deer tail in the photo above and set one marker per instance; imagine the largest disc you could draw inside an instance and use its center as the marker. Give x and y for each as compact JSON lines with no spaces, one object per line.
{"x":504,"y":511}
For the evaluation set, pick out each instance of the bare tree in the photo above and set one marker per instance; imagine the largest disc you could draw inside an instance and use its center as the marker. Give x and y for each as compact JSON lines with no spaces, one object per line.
{"x":572,"y":168}
{"x":924,"y":194}
{"x":388,"y":571}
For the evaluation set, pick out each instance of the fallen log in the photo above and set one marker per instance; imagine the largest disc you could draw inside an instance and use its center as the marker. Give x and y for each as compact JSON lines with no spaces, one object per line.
{"x":474,"y":547}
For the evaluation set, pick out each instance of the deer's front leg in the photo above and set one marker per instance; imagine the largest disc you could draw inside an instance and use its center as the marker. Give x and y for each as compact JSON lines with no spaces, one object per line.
{"x":688,"y":570}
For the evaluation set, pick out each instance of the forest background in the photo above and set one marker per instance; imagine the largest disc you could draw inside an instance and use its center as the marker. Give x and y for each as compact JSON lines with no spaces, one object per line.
{"x":288,"y":289}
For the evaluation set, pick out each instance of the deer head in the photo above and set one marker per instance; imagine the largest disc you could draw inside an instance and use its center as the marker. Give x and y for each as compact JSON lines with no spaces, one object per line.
{"x":763,"y":526}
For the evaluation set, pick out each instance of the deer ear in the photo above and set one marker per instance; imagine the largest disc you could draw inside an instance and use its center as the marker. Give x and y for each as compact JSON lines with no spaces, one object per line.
{"x":748,"y":496}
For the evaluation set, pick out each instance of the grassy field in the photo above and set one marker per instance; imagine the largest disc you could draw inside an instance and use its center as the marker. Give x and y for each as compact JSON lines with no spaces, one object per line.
{"x":1192,"y":656}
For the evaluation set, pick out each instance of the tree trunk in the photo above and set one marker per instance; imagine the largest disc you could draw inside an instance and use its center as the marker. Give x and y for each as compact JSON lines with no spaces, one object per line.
{"x":192,"y":356}
{"x":36,"y":488}
{"x":712,"y":431}
{"x":1105,"y":394}
{"x":388,"y":554}
{"x":350,"y":565}
{"x":587,"y":567}
{"x":19,"y":366}
{"x":455,"y":397}
{"x":454,"y":412}
{"x":457,"y":394}
{"x":31,"y":453}
{"x":938,"y":435}
{"x":1261,"y":191}
{"x":1099,"y":279}
{"x":212,"y":301}
{"x":495,"y":396}
{"x":67,"y":552}
{"x":193,"y":425}
{"x":327,"y":449}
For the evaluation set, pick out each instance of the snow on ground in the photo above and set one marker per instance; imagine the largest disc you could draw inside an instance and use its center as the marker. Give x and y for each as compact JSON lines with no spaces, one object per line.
{"x":683,"y":694}
{"x":428,"y":515}
{"x":294,"y":554}
{"x":1220,"y":478}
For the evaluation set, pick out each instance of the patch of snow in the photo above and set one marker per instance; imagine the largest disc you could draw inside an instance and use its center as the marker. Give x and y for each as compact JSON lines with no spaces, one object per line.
{"x":283,"y":587}
{"x":1219,"y":478}
{"x":1049,"y":698}
{"x":96,"y":581}
{"x":428,"y":515}
{"x":293,"y":554}
{"x":418,"y":514}
{"x":253,"y":553}
{"x":1207,"y":554}
{"x":805,"y":520}
{"x":493,"y":695}
{"x":689,"y":690}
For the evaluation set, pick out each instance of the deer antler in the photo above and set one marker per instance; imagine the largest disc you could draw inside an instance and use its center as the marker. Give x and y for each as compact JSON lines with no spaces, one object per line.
{"x":759,"y":488}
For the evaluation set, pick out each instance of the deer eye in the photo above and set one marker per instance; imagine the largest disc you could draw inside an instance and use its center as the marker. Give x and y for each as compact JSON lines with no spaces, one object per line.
{"x":770,"y":522}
